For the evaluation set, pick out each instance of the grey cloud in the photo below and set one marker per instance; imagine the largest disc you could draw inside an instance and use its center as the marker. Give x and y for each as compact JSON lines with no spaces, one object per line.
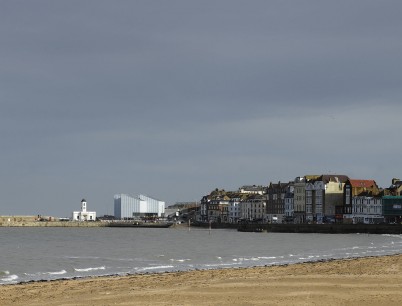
{"x":172,"y":98}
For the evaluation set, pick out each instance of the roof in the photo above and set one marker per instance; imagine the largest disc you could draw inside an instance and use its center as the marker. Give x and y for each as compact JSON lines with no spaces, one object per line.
{"x":253,"y":187}
{"x":362,"y":183}
{"x":326,"y":178}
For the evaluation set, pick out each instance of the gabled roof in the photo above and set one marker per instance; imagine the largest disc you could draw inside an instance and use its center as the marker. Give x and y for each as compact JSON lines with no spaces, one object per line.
{"x":363,"y":183}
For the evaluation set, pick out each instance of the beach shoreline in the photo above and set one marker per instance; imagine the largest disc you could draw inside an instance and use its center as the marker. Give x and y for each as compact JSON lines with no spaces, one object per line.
{"x":351,"y":281}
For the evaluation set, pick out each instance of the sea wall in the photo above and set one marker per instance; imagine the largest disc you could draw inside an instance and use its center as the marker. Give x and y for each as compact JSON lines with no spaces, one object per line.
{"x":310,"y":228}
{"x":325,"y":228}
{"x":32,"y":221}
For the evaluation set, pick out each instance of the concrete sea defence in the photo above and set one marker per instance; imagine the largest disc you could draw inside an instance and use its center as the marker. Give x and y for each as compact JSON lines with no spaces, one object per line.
{"x":310,"y":228}
{"x":33,"y":221}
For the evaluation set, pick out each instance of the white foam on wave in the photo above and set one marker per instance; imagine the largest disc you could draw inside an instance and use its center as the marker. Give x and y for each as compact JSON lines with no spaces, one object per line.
{"x":268,"y":257}
{"x":251,"y":259}
{"x":89,"y":269}
{"x":82,"y":257}
{"x":9,"y":278}
{"x":155,"y":268}
{"x":56,"y":272}
{"x":179,"y":260}
{"x":393,"y":235}
{"x":220,"y":265}
{"x":238,"y":259}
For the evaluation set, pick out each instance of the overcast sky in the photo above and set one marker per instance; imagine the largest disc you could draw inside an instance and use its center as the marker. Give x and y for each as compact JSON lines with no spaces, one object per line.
{"x":173,"y":99}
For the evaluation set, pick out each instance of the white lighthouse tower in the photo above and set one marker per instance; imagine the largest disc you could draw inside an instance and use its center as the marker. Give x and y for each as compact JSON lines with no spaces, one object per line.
{"x":83,"y":206}
{"x":84,"y":215}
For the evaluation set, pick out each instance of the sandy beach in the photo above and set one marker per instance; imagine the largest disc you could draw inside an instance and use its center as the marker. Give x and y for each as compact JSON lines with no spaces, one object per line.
{"x":364,"y":281}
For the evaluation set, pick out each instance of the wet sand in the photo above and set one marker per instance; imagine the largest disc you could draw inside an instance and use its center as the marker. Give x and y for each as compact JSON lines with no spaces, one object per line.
{"x":364,"y":281}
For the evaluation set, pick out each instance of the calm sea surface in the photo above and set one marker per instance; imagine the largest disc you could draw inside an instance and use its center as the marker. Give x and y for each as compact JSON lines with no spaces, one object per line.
{"x":32,"y":254}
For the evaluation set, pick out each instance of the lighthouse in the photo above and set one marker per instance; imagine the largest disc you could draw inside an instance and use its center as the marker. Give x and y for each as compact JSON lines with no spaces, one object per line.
{"x":83,"y":206}
{"x":84,"y":215}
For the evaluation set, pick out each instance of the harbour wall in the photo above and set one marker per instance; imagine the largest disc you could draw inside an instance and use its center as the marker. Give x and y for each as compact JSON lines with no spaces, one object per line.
{"x":324,"y":228}
{"x":311,"y":228}
{"x":33,"y":221}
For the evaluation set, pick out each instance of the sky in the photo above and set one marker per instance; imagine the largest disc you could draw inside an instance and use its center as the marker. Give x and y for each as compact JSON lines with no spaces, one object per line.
{"x":173,"y":99}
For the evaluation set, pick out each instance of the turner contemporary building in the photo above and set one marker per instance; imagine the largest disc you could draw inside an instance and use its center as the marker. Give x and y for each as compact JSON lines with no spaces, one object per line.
{"x":136,"y":207}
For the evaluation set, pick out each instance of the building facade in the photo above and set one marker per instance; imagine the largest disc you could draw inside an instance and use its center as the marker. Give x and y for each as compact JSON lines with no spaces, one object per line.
{"x":392,"y":209}
{"x":353,"y":192}
{"x":253,"y":208}
{"x":367,"y":210}
{"x":299,"y":200}
{"x":289,"y":205}
{"x":275,"y":202}
{"x":314,"y":197}
{"x":127,"y":207}
{"x":252,"y":189}
{"x":234,"y":210}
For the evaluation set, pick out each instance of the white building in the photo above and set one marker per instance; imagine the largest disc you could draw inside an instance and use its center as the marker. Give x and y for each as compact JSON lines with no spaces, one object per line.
{"x":128,"y":207}
{"x":252,"y":189}
{"x":366,"y":210}
{"x":253,"y":208}
{"x":84,"y":215}
{"x":234,"y":210}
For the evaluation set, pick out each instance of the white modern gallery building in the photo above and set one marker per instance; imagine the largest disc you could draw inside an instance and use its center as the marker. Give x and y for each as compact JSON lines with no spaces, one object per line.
{"x":128,"y":207}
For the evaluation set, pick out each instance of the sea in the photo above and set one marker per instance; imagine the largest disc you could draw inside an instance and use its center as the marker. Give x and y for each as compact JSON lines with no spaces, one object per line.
{"x":30,"y":254}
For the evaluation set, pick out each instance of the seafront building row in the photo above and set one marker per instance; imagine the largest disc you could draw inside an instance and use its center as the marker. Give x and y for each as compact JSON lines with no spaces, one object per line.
{"x":325,"y":198}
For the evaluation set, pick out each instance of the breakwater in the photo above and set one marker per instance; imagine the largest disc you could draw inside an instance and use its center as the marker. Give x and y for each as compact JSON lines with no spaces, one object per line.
{"x":22,"y":221}
{"x":324,"y":228}
{"x":310,"y":228}
{"x":34,"y":221}
{"x":53,"y":224}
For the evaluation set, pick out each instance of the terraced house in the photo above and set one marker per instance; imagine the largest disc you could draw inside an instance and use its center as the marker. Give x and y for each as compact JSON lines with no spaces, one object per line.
{"x":325,"y":198}
{"x":253,"y":208}
{"x":275,"y":199}
{"x":361,"y":202}
{"x":299,"y":200}
{"x":220,"y":206}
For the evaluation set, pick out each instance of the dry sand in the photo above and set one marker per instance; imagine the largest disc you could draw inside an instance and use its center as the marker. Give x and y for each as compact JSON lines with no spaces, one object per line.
{"x":364,"y":281}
